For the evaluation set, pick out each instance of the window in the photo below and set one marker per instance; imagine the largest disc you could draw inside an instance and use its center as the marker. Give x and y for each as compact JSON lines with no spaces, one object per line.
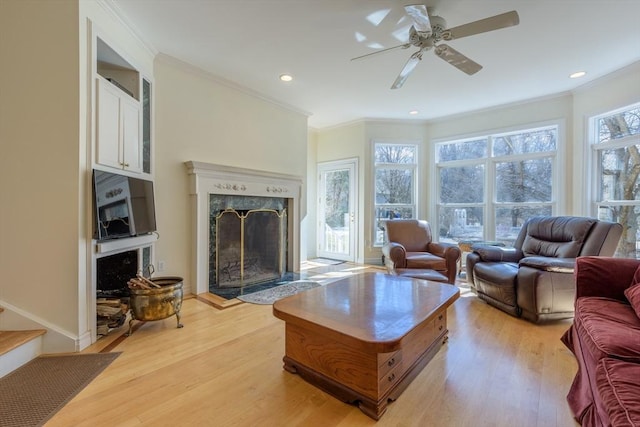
{"x":615,"y":141}
{"x":488,"y":186}
{"x":395,"y":170}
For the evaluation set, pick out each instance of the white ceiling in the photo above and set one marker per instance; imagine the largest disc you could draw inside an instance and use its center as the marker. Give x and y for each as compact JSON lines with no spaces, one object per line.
{"x":252,"y":42}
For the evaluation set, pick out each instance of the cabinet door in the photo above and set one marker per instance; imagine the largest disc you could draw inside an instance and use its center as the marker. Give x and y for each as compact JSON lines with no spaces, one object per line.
{"x":108,"y":125}
{"x":131,"y":143}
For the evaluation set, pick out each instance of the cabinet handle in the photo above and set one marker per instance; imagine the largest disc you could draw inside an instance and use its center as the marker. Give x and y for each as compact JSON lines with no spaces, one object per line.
{"x":391,"y":361}
{"x":391,"y":377}
{"x":440,"y":327}
{"x":440,"y":317}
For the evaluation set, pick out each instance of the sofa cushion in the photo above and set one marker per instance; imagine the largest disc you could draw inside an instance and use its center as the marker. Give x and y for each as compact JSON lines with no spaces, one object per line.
{"x":608,"y":327}
{"x":636,"y":277}
{"x":619,"y":389}
{"x":633,"y":295}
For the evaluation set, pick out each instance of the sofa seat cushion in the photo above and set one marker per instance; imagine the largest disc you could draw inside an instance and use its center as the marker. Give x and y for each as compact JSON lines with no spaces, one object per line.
{"x":608,"y":327}
{"x":425,"y":260}
{"x":619,"y":388}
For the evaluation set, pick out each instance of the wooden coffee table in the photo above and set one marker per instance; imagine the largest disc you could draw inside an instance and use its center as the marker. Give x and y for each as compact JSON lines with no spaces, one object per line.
{"x":364,"y":338}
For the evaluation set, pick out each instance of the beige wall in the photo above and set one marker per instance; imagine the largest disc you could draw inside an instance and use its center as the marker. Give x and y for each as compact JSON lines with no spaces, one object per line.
{"x":199,"y":118}
{"x":569,"y":109}
{"x":613,"y":91}
{"x":40,"y":136}
{"x":46,"y":134}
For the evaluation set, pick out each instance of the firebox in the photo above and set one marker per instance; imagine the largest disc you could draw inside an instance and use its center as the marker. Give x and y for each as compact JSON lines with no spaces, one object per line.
{"x":247,"y":245}
{"x":113,"y":272}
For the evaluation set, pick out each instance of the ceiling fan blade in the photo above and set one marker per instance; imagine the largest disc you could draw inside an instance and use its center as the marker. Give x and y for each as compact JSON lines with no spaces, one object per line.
{"x":408,"y":68}
{"x":482,"y":26}
{"x":403,"y":46}
{"x":420,"y":16}
{"x":457,"y":59}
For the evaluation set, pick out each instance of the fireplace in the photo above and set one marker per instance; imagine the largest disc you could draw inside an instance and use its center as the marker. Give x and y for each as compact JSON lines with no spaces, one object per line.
{"x":246,"y":225}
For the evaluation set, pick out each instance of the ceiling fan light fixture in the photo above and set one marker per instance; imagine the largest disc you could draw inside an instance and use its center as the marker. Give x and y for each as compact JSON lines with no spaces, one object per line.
{"x":286,"y":77}
{"x":577,"y":74}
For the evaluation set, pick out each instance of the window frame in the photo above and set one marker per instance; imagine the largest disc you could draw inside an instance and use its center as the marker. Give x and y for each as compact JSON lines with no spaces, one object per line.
{"x":414,"y":167}
{"x":595,"y":201}
{"x":490,"y":203}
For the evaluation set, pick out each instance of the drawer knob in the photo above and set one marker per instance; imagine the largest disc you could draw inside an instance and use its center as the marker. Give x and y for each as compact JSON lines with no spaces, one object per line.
{"x":440,"y":327}
{"x":391,"y":361}
{"x":440,"y":317}
{"x":391,"y":377}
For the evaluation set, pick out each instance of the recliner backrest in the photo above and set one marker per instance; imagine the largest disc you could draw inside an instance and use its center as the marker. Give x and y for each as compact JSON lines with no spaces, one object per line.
{"x":603,"y":239}
{"x":555,"y":236}
{"x":413,"y":234}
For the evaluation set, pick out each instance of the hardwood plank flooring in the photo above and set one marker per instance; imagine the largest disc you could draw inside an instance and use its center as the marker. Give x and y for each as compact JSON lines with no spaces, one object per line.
{"x":224,"y":368}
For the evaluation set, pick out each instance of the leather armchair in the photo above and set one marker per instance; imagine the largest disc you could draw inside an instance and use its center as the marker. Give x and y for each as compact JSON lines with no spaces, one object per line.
{"x":410,"y":245}
{"x":534,"y":278}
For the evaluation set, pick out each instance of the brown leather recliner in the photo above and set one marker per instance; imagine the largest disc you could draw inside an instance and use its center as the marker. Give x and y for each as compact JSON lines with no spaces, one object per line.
{"x":410,"y":245}
{"x":534,"y":278}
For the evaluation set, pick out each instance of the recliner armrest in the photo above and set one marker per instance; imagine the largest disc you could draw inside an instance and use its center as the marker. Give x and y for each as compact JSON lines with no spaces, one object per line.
{"x":555,"y":265}
{"x":496,"y":253}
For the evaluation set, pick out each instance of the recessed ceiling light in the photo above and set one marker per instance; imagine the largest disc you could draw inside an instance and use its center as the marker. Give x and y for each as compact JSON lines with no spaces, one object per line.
{"x":413,"y":112}
{"x":286,"y":77}
{"x":577,"y":74}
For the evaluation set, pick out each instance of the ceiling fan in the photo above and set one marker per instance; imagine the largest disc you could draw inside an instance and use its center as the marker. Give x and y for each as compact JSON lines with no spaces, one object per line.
{"x":428,"y":30}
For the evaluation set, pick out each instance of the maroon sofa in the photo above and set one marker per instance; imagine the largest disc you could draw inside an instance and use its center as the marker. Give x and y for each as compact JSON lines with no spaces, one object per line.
{"x":605,"y":339}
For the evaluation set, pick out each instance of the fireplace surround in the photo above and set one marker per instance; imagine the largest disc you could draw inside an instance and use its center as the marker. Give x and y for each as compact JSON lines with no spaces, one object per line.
{"x":218,"y":182}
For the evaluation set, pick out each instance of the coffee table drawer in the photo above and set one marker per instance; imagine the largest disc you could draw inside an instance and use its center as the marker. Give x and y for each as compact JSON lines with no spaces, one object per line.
{"x":388,"y":362}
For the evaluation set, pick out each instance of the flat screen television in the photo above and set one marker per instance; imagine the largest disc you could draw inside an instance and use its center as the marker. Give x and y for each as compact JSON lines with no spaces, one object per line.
{"x":124,"y":206}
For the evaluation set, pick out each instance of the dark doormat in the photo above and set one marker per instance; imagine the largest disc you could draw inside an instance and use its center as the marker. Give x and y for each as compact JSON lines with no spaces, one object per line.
{"x":33,"y":393}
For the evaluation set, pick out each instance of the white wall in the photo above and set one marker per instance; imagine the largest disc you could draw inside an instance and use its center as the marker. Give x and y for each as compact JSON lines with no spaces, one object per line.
{"x":203,"y":119}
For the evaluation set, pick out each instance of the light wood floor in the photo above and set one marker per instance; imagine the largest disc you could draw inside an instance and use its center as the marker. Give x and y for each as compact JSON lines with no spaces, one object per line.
{"x":224,"y":368}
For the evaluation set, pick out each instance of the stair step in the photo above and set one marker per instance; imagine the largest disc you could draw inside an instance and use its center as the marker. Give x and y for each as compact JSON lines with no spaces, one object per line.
{"x":18,"y":348}
{"x":10,"y":340}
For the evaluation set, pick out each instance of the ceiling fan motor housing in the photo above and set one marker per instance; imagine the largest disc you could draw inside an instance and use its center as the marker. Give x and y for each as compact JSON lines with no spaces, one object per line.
{"x":438,"y":25}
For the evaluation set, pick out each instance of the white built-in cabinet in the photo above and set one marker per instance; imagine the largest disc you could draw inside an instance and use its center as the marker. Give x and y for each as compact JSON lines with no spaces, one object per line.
{"x":118,"y":128}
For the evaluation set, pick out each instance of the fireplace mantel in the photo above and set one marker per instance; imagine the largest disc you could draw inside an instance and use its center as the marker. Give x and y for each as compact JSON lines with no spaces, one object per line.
{"x":208,"y":178}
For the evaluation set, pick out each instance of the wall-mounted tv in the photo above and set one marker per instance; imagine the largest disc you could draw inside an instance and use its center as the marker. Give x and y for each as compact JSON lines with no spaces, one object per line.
{"x":124,"y":206}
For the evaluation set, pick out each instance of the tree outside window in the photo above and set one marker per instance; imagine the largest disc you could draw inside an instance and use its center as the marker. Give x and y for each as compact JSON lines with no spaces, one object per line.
{"x":507,"y":177}
{"x":395,"y":169}
{"x":615,"y":139}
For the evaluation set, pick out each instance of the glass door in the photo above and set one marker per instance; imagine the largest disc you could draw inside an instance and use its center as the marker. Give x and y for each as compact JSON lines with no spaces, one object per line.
{"x":336,"y":210}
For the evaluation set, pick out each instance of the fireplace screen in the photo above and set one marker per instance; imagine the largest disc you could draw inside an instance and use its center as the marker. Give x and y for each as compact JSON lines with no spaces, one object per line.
{"x":249,"y":246}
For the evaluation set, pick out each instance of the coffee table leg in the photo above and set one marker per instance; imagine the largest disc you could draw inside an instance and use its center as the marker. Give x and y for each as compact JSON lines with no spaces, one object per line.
{"x":374,"y":410}
{"x":287,"y":366}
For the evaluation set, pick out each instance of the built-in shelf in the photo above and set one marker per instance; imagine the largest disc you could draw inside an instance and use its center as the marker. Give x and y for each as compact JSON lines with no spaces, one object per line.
{"x":125,"y":243}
